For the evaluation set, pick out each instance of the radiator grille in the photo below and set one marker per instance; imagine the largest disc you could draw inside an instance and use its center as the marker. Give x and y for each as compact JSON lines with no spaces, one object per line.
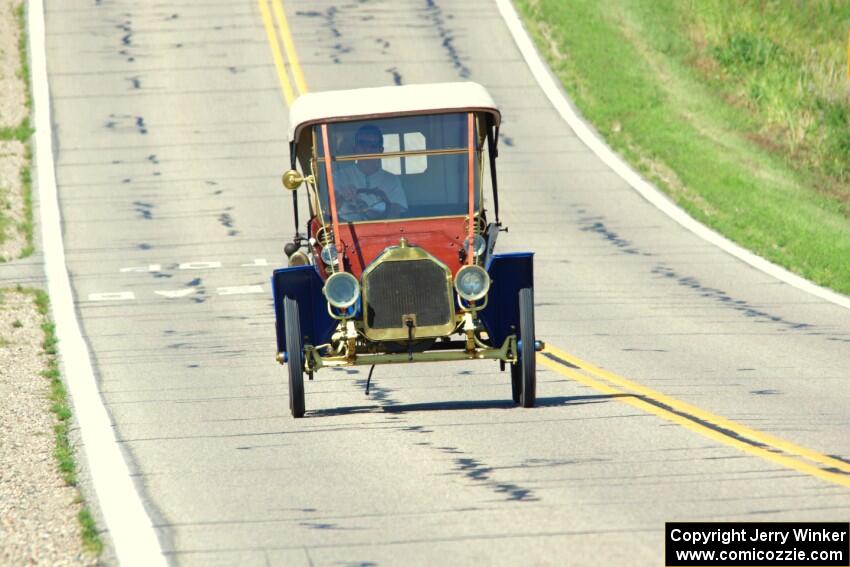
{"x":400,"y":288}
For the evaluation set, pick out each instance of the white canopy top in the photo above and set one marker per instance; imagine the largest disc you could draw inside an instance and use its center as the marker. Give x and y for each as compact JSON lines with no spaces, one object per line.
{"x":335,"y":106}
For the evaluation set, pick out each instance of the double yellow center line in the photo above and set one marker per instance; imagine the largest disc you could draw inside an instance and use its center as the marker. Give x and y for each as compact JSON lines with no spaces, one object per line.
{"x":698,"y":420}
{"x":277,"y":32}
{"x":676,"y":411}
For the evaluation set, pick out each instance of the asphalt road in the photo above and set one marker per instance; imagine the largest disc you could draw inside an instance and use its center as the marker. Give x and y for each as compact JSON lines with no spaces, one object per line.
{"x":170,"y":130}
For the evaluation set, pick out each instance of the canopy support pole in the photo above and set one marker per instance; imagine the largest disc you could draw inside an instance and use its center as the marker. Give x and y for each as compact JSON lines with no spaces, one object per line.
{"x":493,"y":153}
{"x":332,"y":197}
{"x":470,"y":168}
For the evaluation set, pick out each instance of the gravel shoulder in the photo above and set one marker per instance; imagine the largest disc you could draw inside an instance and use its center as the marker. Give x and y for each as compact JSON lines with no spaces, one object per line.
{"x":13,"y":108}
{"x":13,"y":159}
{"x":39,"y":509}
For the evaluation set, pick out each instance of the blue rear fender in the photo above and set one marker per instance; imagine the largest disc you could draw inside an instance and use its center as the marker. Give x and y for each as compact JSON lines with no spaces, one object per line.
{"x":304,"y":285}
{"x":509,"y":273}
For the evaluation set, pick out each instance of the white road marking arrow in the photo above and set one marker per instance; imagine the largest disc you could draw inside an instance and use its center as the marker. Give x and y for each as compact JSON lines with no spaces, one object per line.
{"x":174,"y":293}
{"x":148,"y":268}
{"x":113,"y":296}
{"x":199,"y":265}
{"x":257,"y":262}
{"x":240,"y":290}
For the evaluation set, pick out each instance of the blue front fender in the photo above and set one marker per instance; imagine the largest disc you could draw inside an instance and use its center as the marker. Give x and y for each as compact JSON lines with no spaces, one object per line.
{"x":509,"y":273}
{"x":304,"y":285}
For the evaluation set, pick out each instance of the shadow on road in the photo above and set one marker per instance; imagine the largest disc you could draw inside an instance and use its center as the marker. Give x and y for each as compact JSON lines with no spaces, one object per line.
{"x":555,"y":401}
{"x":344,"y":410}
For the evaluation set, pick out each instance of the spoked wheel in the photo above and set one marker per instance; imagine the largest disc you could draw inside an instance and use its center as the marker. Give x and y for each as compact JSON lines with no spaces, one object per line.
{"x":295,"y":352}
{"x":524,"y":371}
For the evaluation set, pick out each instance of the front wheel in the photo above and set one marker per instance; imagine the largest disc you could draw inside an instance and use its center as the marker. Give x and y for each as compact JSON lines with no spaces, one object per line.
{"x":524,"y":371}
{"x":295,"y":353}
{"x":516,"y":382}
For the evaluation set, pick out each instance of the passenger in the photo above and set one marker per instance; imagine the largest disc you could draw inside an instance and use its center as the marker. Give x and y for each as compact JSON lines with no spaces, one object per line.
{"x":361,"y":186}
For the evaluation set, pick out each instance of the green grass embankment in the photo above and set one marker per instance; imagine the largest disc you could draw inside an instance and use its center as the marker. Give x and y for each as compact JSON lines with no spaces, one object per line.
{"x":738,"y":109}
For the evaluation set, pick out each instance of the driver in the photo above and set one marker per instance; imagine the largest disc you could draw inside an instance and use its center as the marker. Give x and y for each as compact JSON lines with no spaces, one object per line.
{"x":364,"y":188}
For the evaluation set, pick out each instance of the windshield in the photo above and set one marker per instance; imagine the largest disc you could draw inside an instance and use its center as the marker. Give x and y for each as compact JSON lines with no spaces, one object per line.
{"x":405,"y":167}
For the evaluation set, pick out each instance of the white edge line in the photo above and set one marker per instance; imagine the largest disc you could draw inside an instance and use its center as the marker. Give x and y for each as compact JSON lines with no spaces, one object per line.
{"x":129,"y":525}
{"x":556,"y":96}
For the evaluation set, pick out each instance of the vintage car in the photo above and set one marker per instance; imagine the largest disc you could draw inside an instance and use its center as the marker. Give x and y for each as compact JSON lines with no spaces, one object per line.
{"x":397,"y":263}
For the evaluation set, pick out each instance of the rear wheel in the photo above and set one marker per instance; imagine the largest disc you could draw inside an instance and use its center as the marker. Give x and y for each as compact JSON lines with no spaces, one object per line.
{"x":527,"y":361}
{"x":295,"y":353}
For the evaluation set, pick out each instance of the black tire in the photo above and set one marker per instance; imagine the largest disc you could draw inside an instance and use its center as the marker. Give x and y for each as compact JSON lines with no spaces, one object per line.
{"x":295,"y":352}
{"x":527,"y":354}
{"x":516,"y":382}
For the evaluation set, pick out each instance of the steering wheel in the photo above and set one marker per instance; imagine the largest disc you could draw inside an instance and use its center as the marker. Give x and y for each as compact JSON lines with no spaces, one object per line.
{"x":372,"y":209}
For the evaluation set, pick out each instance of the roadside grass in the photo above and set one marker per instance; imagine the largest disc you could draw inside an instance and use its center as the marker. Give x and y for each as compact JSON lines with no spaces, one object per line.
{"x":787,"y":65}
{"x":63,"y":451}
{"x":738,"y":113}
{"x":23,"y":133}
